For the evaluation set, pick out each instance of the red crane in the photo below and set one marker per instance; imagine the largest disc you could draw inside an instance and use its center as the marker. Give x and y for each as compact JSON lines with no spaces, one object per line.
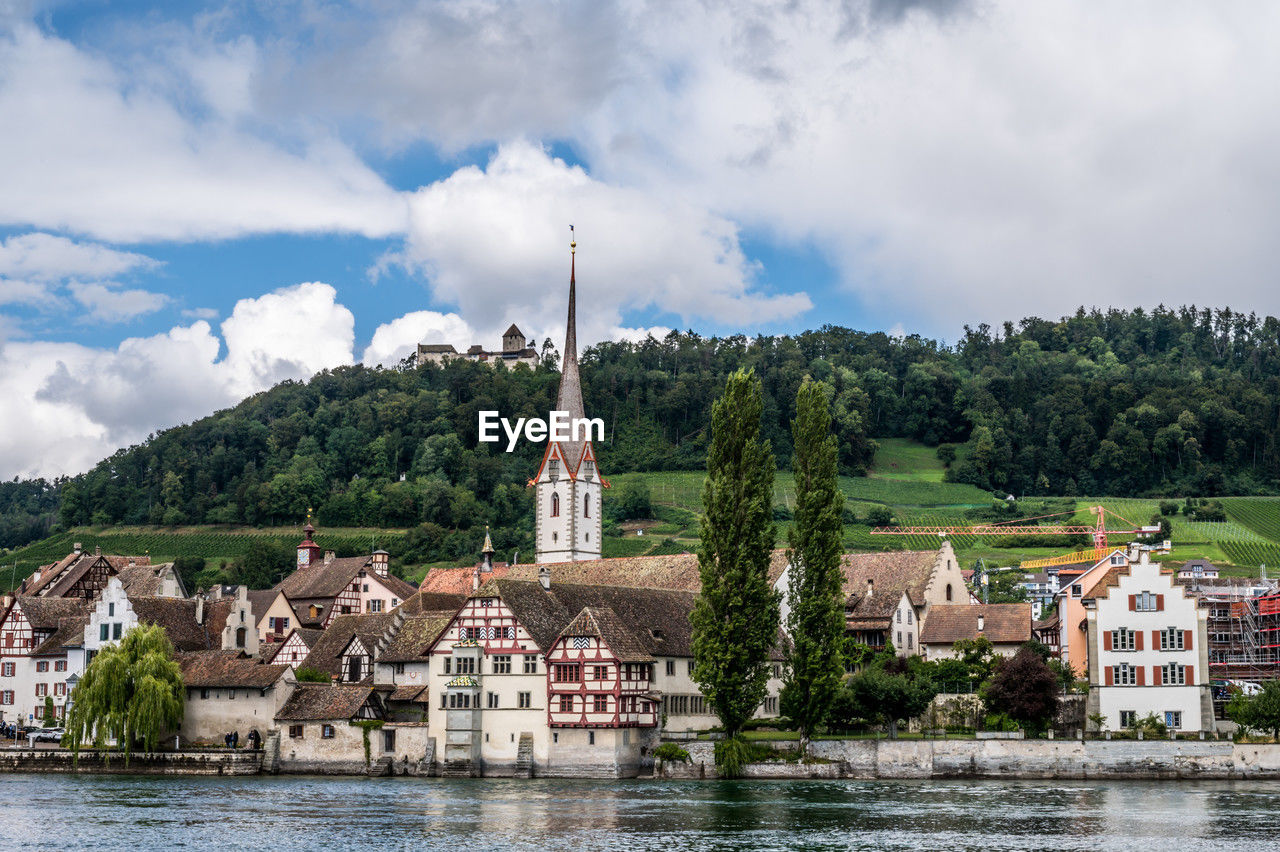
{"x":1098,"y":530}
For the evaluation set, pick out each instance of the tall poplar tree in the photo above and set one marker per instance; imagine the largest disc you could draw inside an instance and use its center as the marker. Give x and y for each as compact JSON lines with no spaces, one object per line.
{"x":735,"y":618}
{"x":815,"y":598}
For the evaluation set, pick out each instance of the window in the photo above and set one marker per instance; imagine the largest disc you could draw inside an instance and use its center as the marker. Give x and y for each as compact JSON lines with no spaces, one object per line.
{"x":910,"y":640}
{"x":948,"y":591}
{"x":295,"y":732}
{"x":493,"y":700}
{"x":909,"y":614}
{"x":586,"y":508}
{"x":671,"y":668}
{"x":39,"y":714}
{"x":1128,"y":718}
{"x":240,"y":637}
{"x":6,"y":697}
{"x":601,"y":704}
{"x":116,"y":629}
{"x":1173,"y":675}
{"x":231,"y":694}
{"x":591,"y":737}
{"x":314,"y":611}
{"x":566,"y":703}
{"x":1126,"y":675}
{"x":42,"y":689}
{"x":398,"y":668}
{"x":60,"y":688}
{"x":395,"y":602}
{"x":567,"y":672}
{"x":204,"y":695}
{"x":42,"y":666}
{"x":530,"y":663}
{"x":1147,"y":602}
{"x":111,"y":610}
{"x":555,"y":504}
{"x":1122,"y":639}
{"x":524,"y":700}
{"x":388,"y":740}
{"x":375,"y":605}
{"x":326,"y":731}
{"x":7,"y":670}
{"x":690,"y":667}
{"x":599,"y":672}
{"x":466,"y":665}
{"x":899,"y":638}
{"x":1076,"y":590}
{"x":1173,"y":719}
{"x":502,"y":664}
{"x":899,"y":616}
{"x":1171,"y":639}
{"x":448,"y":665}
{"x":278,"y":625}
{"x":104,"y":632}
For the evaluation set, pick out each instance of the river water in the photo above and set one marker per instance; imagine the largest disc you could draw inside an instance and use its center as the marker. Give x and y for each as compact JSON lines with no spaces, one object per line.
{"x":294,"y":814}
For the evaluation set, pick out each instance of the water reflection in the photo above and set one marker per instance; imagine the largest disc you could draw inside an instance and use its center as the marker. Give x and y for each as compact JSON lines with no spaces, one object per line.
{"x":121,"y":812}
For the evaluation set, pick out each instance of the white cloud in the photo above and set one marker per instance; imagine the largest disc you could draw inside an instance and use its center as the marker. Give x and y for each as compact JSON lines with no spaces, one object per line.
{"x":107,"y":305}
{"x":200,"y":313}
{"x":394,"y":340}
{"x":19,"y":292}
{"x":494,"y":242}
{"x":109,"y":154}
{"x":68,"y":405}
{"x":46,"y":257}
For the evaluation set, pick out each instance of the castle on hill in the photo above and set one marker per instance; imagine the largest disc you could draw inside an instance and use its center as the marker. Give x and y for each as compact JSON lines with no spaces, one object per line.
{"x":515,"y":350}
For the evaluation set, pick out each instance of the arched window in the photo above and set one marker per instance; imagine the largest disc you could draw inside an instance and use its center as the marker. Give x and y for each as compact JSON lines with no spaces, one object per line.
{"x":586,"y":508}
{"x":239,"y":637}
{"x":948,"y":591}
{"x":555,"y":505}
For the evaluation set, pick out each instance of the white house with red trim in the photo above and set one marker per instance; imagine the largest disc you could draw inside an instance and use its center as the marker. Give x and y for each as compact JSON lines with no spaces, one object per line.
{"x":1148,"y":650}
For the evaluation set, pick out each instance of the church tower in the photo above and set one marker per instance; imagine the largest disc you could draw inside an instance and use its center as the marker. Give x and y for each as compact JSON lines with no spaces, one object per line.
{"x":568,"y":487}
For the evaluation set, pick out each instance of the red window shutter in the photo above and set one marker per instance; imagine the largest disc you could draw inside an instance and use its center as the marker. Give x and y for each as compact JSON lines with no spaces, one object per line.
{"x":1137,"y":640}
{"x":1110,"y":672}
{"x":1186,"y":639}
{"x":1106,"y":641}
{"x":1133,"y":603}
{"x":1141,"y":679}
{"x":1155,"y":641}
{"x":1159,"y":603}
{"x":1191,"y":675}
{"x":1157,"y":675}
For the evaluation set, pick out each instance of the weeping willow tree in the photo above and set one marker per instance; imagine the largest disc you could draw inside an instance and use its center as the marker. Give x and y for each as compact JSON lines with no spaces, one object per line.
{"x":131,"y":692}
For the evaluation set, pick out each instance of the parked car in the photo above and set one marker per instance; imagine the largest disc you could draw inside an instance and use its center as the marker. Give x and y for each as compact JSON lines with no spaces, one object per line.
{"x":49,"y":735}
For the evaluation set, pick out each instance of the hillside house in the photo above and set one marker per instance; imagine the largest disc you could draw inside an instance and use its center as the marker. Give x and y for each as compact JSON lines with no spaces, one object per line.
{"x":1006,"y":626}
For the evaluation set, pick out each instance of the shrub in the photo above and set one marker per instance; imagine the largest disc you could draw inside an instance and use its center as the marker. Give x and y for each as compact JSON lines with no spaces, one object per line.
{"x":672,"y":753}
{"x":307,"y":674}
{"x":731,"y":755}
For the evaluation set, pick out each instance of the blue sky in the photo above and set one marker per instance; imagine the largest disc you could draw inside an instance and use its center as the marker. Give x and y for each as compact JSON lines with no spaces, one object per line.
{"x":199,"y":200}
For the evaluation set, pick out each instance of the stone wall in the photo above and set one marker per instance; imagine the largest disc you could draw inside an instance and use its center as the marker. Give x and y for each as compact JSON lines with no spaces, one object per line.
{"x":214,"y":762}
{"x":1031,"y":759}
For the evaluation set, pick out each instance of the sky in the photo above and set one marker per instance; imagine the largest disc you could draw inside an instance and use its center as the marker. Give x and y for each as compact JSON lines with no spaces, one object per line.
{"x":200,"y":200}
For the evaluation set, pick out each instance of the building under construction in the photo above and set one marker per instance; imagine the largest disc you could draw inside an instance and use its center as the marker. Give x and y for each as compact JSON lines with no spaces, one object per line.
{"x":1244,"y":626}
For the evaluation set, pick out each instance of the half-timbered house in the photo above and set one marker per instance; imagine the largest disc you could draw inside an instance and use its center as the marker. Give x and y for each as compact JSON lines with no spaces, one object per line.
{"x":32,"y":667}
{"x":293,"y":650}
{"x":345,"y":650}
{"x":325,"y":586}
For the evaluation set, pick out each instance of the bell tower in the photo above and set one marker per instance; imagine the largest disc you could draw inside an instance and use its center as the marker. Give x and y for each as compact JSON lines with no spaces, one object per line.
{"x":568,"y":488}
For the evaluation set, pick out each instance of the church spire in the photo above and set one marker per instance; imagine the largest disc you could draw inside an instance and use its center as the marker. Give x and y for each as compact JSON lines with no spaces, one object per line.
{"x":569,"y":399}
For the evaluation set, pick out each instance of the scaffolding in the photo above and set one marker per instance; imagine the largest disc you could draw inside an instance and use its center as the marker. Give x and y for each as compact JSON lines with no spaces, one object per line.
{"x":1244,"y":634}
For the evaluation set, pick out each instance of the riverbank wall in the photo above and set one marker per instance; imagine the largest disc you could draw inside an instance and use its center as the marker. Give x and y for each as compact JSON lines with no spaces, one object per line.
{"x":1023,"y":759}
{"x":144,"y":763}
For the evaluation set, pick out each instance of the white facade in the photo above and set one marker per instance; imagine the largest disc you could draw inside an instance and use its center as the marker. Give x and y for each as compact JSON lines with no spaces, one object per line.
{"x":1148,"y":650}
{"x":567,"y":517}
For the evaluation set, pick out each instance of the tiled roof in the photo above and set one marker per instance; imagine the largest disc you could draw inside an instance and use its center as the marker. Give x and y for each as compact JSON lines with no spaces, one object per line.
{"x":61,"y":584}
{"x":322,"y":580}
{"x":604,"y":624}
{"x":323,"y":701}
{"x":326,"y":653}
{"x":415,"y":637}
{"x":47,"y":613}
{"x":70,"y":634}
{"x":227,"y":669}
{"x":422,"y":601}
{"x":142,"y":579}
{"x":891,"y":574}
{"x":1002,"y":623}
{"x":260,"y":600}
{"x":411,"y":692}
{"x":677,"y":572}
{"x":457,"y":581}
{"x":178,"y":618}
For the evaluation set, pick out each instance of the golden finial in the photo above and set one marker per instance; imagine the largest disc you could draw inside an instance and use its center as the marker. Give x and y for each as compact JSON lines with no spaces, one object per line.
{"x":308,"y":514}
{"x":573,"y":243}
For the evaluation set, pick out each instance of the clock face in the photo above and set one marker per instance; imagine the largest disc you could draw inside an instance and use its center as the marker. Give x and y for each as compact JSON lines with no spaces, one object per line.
{"x":304,"y":556}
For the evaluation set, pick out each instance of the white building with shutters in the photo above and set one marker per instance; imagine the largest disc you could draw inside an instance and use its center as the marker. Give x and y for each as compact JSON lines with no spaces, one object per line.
{"x":1148,"y":650}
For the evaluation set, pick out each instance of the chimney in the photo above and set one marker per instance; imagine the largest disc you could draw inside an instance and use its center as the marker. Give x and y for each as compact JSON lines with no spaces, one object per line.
{"x":79,"y":547}
{"x":544,"y":577}
{"x":380,"y":562}
{"x":475,"y":578}
{"x":981,"y":622}
{"x":97,"y":550}
{"x":871,"y":587}
{"x":199,"y":610}
{"x":132,"y":562}
{"x":328,"y":556}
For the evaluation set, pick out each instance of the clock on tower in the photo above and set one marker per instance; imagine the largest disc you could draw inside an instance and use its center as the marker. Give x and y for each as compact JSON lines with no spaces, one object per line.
{"x":308,"y":550}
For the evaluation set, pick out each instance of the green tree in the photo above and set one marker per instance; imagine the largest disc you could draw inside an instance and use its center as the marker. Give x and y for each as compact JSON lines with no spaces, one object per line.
{"x":264,"y":564}
{"x":633,"y":501}
{"x":815,"y":620}
{"x":307,"y":674}
{"x":1024,"y":689}
{"x":735,"y":617}
{"x":1260,"y":712}
{"x":50,"y":713}
{"x":879,"y":695}
{"x":131,"y":692}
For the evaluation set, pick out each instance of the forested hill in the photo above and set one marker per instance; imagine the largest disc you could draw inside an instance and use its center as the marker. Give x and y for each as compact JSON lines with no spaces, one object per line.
{"x":1124,"y":403}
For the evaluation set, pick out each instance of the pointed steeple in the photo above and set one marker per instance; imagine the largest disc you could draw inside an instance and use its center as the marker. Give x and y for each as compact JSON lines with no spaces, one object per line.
{"x":486,"y":552}
{"x":570,"y":396}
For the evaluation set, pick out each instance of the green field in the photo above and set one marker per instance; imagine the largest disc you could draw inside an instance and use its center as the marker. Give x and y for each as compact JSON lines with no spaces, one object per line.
{"x":907,"y":479}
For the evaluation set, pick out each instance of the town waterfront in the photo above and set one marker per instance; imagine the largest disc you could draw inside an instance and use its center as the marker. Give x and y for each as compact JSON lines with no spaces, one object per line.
{"x":129,"y":812}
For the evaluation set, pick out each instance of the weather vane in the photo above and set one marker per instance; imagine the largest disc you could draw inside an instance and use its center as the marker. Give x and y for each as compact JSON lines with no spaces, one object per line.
{"x":573,"y":243}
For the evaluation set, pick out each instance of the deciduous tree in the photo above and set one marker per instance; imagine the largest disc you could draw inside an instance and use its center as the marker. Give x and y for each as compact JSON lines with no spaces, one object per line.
{"x":1024,"y":689}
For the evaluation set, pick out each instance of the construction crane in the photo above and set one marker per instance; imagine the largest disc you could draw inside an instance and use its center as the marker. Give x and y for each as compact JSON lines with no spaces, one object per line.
{"x":1097,"y":531}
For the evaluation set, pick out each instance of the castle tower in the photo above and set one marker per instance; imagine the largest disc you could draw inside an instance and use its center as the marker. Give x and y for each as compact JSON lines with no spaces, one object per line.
{"x":568,"y":488}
